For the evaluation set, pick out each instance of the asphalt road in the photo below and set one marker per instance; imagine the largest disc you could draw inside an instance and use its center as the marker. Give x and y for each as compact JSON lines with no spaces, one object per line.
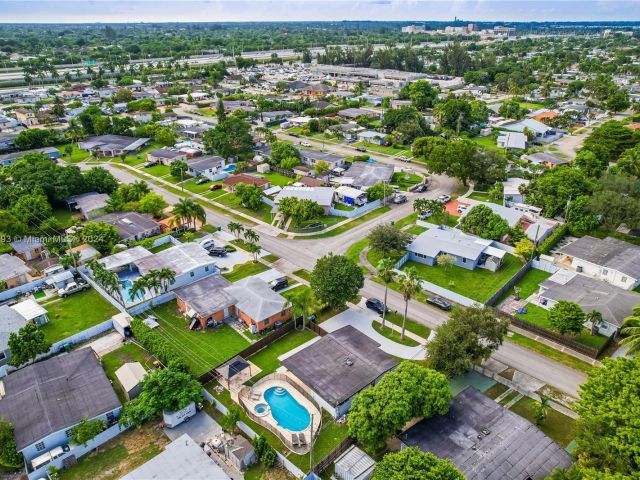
{"x":297,"y":254}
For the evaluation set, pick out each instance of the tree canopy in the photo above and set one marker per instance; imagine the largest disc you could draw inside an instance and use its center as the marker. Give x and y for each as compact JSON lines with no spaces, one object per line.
{"x":388,"y":239}
{"x":483,"y":222}
{"x":27,"y":344}
{"x":414,"y":464}
{"x":336,"y":279}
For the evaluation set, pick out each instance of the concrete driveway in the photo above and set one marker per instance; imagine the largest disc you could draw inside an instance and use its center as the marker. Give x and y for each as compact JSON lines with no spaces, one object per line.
{"x":361,"y":320}
{"x":201,"y":428}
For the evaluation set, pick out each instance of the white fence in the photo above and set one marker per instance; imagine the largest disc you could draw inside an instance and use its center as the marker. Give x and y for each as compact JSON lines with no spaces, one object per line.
{"x":82,"y":336}
{"x":356,"y":211}
{"x":153,"y":302}
{"x":21,"y":290}
{"x":78,"y":451}
{"x":545,"y":265}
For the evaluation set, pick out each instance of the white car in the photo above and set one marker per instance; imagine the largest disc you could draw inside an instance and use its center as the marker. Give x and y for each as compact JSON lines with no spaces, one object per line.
{"x":207,"y":243}
{"x":461,"y":208}
{"x":305,"y":144}
{"x":444,"y":198}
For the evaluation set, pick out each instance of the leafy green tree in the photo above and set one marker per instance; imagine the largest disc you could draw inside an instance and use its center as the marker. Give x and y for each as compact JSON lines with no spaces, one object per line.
{"x":165,"y":136}
{"x":230,"y":138}
{"x":421,"y":94}
{"x":230,"y":420}
{"x":153,"y":204}
{"x":619,"y":101}
{"x":553,"y":190}
{"x":416,"y":465}
{"x":86,"y":430}
{"x":27,"y":344}
{"x":379,"y":191}
{"x":468,"y":336}
{"x":32,"y":208}
{"x":281,"y":151}
{"x":235,"y":228}
{"x":609,"y":141}
{"x":483,"y":222}
{"x":455,"y":60}
{"x":100,"y":180}
{"x":589,"y":163}
{"x":102,"y":236}
{"x":250,"y":196}
{"x":609,"y":407}
{"x":178,"y":169}
{"x":9,"y":456}
{"x":512,"y":109}
{"x":524,"y":249}
{"x":567,"y":317}
{"x":388,"y":239}
{"x":380,"y":411}
{"x":336,"y":279}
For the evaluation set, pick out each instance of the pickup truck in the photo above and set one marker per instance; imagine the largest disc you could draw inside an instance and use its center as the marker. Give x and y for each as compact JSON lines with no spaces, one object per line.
{"x":73,"y":287}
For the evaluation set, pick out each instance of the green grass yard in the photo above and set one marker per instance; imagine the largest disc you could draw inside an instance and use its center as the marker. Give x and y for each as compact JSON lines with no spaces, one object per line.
{"x":348,"y":225}
{"x":528,"y":284}
{"x":557,"y":426}
{"x":412,"y":326}
{"x":71,"y":315}
{"x":482,"y":197}
{"x":76,"y":156}
{"x":416,"y":229}
{"x":542,"y":349}
{"x":245,"y":270}
{"x":129,"y":352}
{"x":404,"y":180}
{"x":540,"y":316}
{"x":277,"y":179}
{"x":304,"y":274}
{"x":393,"y":335}
{"x":202,"y":350}
{"x":478,"y":284}
{"x":233,"y":201}
{"x":353,"y":252}
{"x":267,"y":358}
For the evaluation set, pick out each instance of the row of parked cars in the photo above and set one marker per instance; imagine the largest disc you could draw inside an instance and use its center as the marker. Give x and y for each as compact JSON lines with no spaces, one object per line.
{"x":379,"y":307}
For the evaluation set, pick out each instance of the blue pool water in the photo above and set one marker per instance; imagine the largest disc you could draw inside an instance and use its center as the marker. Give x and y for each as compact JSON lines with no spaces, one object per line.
{"x":285,"y":409}
{"x":229,"y":168}
{"x":126,"y":280}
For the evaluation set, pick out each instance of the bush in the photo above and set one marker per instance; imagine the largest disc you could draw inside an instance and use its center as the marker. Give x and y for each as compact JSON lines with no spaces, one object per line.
{"x":551,"y":241}
{"x":265,"y":452}
{"x":158,"y":346}
{"x":86,"y":430}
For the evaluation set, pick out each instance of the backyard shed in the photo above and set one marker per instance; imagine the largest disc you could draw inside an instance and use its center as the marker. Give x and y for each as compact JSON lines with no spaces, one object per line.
{"x":130,"y":377}
{"x":122,"y":324}
{"x":354,"y":464}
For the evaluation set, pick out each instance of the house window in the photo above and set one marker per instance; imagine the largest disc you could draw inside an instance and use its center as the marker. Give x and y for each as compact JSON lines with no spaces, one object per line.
{"x":2,"y":356}
{"x":40,"y":446}
{"x":191,"y":274}
{"x":111,"y":417}
{"x":623,"y":279}
{"x":67,"y":433}
{"x":206,"y":268}
{"x":605,"y":272}
{"x":464,"y":260}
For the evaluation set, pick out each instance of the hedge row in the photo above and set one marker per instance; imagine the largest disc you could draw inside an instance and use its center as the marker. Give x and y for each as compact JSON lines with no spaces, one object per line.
{"x":156,"y":345}
{"x":551,"y":241}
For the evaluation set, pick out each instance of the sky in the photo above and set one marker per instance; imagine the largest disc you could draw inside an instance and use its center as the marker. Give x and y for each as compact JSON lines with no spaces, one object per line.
{"x":81,"y":11}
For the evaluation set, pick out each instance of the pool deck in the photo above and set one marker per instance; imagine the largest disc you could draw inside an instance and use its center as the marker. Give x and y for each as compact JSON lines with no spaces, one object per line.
{"x":254,"y":396}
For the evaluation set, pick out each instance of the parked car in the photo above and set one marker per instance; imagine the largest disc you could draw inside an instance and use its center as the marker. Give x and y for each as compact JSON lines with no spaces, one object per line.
{"x":398,"y":198}
{"x":215,"y":186}
{"x":207,"y":243}
{"x":444,"y":198}
{"x":402,"y":158}
{"x":361,"y":149}
{"x":218,"y":252}
{"x":149,"y":164}
{"x":294,"y":134}
{"x":439,"y":302}
{"x":419,"y":188}
{"x":424,"y":215}
{"x":71,"y":288}
{"x":279,"y":283}
{"x":202,"y":180}
{"x":461,"y":208}
{"x":376,"y":305}
{"x":305,"y":144}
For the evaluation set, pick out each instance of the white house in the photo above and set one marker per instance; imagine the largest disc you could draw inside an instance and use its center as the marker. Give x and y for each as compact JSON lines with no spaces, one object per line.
{"x":608,"y":259}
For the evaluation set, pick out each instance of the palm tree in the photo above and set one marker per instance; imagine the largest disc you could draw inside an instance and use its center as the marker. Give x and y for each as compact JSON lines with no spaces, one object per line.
{"x":235,"y":228}
{"x":251,"y":236}
{"x":542,"y":409}
{"x":631,"y":332}
{"x":183,"y":211}
{"x":305,"y":301}
{"x":254,"y":249}
{"x":138,"y":189}
{"x":409,"y":286}
{"x":386,"y":273}
{"x":595,"y":317}
{"x":166,"y":277}
{"x":140,"y":284}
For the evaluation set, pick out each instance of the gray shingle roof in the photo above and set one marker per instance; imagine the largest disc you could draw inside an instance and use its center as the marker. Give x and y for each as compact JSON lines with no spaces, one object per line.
{"x":11,"y":267}
{"x":56,"y":394}
{"x":513,"y":450}
{"x":367,"y":174}
{"x":10,"y":322}
{"x":323,"y":196}
{"x":129,"y":224}
{"x":208,"y":295}
{"x":180,"y":258}
{"x":608,"y":252}
{"x":256,"y":299}
{"x":324,"y":368}
{"x":615,"y":304}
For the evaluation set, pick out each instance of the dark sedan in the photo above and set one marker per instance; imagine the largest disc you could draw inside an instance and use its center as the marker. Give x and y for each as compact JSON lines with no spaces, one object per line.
{"x":439,"y":302}
{"x":376,"y":305}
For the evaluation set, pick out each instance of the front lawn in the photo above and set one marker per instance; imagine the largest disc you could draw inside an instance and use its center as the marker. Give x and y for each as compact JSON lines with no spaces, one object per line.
{"x":557,"y":426}
{"x":353,"y":252}
{"x":277,"y":179}
{"x":547,"y":351}
{"x":64,"y":217}
{"x":540,"y":316}
{"x":347,"y":225}
{"x":234,"y":202}
{"x":71,"y":315}
{"x":416,"y":229}
{"x":482,"y":197}
{"x":412,"y":326}
{"x":478,"y":284}
{"x":267,"y":358}
{"x":76,"y":156}
{"x":193,"y":187}
{"x":120,"y":455}
{"x":159,"y":171}
{"x":404,"y":180}
{"x":303,"y":274}
{"x":202,"y":350}
{"x":245,"y":270}
{"x":393,"y":335}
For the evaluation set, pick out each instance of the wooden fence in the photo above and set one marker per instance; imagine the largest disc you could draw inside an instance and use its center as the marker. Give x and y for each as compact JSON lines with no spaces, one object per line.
{"x":332,"y":456}
{"x":565,"y":340}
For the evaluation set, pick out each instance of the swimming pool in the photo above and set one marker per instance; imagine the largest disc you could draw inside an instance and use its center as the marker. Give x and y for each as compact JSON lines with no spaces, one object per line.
{"x":127,"y":278}
{"x":286,"y":410}
{"x":230,"y":168}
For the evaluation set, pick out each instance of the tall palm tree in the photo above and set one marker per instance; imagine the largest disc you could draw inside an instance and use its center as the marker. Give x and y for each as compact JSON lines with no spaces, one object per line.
{"x":166,"y":277}
{"x":140,"y":284}
{"x":409,"y":286}
{"x":254,"y":248}
{"x":386,"y":273}
{"x":595,"y":317}
{"x":305,"y":302}
{"x":183,"y":211}
{"x":139,"y":189}
{"x":631,"y":332}
{"x":251,"y":236}
{"x":235,"y":228}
